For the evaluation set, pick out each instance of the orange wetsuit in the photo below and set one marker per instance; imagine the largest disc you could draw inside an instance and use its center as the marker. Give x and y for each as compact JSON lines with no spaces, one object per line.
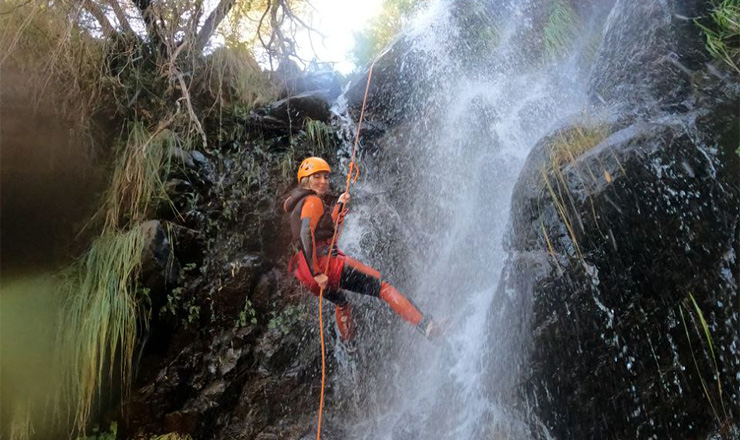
{"x":313,"y":227}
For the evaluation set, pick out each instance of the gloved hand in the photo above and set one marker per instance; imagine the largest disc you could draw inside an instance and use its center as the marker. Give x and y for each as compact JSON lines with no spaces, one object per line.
{"x":322,"y":280}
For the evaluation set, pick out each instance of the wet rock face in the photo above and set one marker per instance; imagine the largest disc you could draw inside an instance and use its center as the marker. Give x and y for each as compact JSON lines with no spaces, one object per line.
{"x":637,"y":245}
{"x":232,"y":350}
{"x":648,"y":52}
{"x":630,"y":254}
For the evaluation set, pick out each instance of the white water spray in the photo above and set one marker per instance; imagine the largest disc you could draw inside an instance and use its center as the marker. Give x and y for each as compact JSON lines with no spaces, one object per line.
{"x":449,"y":208}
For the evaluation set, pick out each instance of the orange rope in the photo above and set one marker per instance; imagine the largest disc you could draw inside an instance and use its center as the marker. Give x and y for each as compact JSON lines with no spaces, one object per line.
{"x":352,"y":167}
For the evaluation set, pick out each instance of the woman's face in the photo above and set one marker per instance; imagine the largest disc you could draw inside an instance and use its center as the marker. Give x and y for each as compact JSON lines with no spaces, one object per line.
{"x":319,"y":183}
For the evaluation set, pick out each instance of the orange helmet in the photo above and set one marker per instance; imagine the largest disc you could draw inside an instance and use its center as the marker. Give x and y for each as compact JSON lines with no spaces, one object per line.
{"x":312,"y":165}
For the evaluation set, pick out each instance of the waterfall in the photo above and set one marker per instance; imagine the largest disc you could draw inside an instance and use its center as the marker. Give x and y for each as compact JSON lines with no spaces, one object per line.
{"x":439,"y":186}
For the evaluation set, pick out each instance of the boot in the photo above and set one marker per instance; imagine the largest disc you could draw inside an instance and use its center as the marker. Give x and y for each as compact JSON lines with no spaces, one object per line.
{"x":430,"y":328}
{"x":345,"y":324}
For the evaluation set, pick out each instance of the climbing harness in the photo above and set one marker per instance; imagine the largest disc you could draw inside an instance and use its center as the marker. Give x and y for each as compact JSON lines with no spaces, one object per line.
{"x":352,"y":175}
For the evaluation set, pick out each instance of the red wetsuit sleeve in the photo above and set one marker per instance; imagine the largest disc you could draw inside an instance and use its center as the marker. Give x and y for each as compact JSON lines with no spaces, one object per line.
{"x":335,"y":213}
{"x":313,"y":209}
{"x":311,"y":212}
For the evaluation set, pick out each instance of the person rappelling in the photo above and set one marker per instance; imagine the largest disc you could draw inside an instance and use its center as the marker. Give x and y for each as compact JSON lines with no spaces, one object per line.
{"x":312,"y":223}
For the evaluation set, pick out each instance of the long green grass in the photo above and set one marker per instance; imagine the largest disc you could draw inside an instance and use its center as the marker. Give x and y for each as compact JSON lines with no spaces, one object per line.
{"x":690,"y":303}
{"x":564,"y":149}
{"x":723,"y":34}
{"x":319,"y":133}
{"x":98,"y":326}
{"x":137,"y":183}
{"x":560,"y":28}
{"x":172,"y":436}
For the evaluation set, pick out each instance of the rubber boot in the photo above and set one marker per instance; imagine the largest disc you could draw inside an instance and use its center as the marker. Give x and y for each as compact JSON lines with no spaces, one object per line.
{"x":345,"y":324}
{"x":400,"y":304}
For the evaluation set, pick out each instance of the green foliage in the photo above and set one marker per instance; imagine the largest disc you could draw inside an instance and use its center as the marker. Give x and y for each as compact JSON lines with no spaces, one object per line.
{"x":246,"y":316}
{"x":723,"y":32}
{"x":98,"y":325}
{"x":689,"y":304}
{"x":287,"y":318}
{"x":232,"y":77}
{"x":180,"y":305}
{"x":382,"y":29}
{"x":110,"y":434}
{"x":560,"y":28}
{"x":319,"y":133}
{"x":172,"y":436}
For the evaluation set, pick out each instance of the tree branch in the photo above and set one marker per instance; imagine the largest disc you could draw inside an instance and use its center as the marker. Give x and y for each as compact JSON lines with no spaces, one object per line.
{"x":151,"y":26}
{"x":121,"y":16}
{"x":211,"y":23}
{"x":99,"y":15}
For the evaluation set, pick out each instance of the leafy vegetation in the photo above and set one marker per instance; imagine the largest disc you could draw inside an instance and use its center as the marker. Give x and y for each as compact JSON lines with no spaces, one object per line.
{"x":97,"y":434}
{"x":723,"y":32}
{"x":285,"y":320}
{"x":560,"y":28}
{"x":382,"y":29}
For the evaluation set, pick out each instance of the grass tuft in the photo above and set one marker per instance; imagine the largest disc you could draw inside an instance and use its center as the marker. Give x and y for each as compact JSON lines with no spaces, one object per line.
{"x":564,"y":149}
{"x":560,"y":28}
{"x":98,"y":321}
{"x":723,"y":34}
{"x":172,"y":436}
{"x":708,"y":338}
{"x":231,"y":76}
{"x":319,"y":133}
{"x":137,"y":183}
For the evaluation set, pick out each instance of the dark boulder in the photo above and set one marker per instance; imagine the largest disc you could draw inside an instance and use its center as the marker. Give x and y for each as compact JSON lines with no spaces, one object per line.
{"x":636,"y":244}
{"x":290,"y":114}
{"x":159,"y":267}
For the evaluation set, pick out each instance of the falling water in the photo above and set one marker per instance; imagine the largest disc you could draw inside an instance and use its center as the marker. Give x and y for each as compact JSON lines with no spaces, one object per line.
{"x":434,"y":219}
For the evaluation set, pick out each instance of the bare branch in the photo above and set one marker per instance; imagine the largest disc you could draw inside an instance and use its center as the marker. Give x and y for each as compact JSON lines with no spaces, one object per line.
{"x":212,"y":22}
{"x":121,"y":16}
{"x":259,"y":32}
{"x":149,"y":20}
{"x":99,"y":15}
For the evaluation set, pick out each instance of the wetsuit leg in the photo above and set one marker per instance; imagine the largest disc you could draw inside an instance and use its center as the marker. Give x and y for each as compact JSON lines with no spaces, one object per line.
{"x":363,"y":279}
